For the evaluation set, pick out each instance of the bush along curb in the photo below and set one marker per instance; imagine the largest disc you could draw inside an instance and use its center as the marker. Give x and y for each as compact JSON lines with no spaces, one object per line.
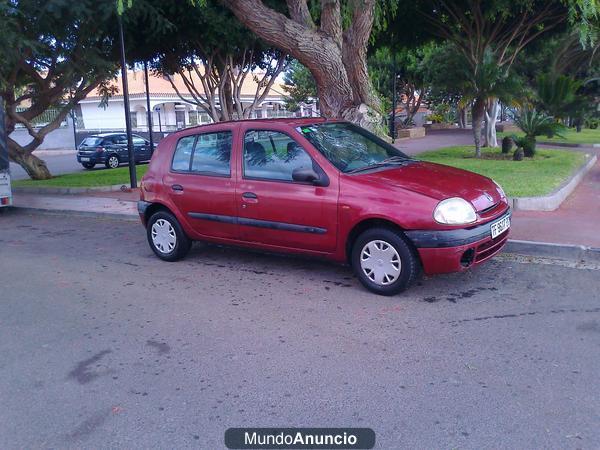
{"x":69,"y":190}
{"x":552,"y":201}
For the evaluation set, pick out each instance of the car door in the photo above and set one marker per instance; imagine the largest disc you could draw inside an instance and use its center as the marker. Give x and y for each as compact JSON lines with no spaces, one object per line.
{"x":201,"y":183}
{"x":274,"y":209}
{"x":120,"y":146}
{"x":141,"y":148}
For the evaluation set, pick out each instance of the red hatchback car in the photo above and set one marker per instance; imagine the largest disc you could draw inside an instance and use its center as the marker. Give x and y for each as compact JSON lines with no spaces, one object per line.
{"x":324,"y":188}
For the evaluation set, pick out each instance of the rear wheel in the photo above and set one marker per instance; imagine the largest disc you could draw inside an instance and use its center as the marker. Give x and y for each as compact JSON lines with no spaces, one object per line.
{"x":166,"y":237}
{"x":383,"y":261}
{"x":112,"y":162}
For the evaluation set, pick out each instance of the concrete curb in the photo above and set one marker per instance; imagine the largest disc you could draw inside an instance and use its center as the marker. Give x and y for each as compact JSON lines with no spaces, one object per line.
{"x":552,"y":201}
{"x":569,"y":145}
{"x":551,"y":250}
{"x":68,"y":191}
{"x":71,"y":212}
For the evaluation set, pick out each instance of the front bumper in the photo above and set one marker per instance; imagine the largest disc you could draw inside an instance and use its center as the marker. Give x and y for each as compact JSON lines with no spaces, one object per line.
{"x":456,"y":250}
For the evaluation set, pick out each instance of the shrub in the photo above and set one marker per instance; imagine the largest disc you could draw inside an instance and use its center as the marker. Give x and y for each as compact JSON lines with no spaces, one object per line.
{"x":592,"y":123}
{"x":525,"y":143}
{"x":507,"y":144}
{"x":518,"y":154}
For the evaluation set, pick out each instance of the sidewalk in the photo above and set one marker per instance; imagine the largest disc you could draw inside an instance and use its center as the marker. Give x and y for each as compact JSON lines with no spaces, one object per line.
{"x":78,"y":204}
{"x":576,"y":221}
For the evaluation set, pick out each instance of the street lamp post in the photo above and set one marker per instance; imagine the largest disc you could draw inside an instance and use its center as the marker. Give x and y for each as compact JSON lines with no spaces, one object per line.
{"x":132,"y":174}
{"x":393,"y":126}
{"x":150,"y":137}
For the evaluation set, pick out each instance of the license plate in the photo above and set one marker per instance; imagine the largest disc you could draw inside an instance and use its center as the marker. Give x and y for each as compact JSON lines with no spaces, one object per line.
{"x":500,"y":227}
{"x":85,"y":159}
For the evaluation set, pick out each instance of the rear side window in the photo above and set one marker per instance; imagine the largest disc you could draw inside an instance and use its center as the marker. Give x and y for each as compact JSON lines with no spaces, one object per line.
{"x":211,"y":154}
{"x":91,"y":141}
{"x":183,"y":154}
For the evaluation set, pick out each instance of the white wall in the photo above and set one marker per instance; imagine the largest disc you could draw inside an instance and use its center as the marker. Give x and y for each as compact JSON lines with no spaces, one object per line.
{"x":111,"y":117}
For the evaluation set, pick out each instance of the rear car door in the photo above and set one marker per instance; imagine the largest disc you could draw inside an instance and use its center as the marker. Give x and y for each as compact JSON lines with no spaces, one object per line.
{"x":201,"y":182}
{"x":274,"y":209}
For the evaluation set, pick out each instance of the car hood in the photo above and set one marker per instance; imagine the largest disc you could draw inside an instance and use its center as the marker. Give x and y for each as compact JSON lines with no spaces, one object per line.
{"x":440,"y":182}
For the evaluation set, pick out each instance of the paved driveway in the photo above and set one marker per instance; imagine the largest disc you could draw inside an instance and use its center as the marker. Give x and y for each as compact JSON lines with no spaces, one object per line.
{"x":105,"y":346}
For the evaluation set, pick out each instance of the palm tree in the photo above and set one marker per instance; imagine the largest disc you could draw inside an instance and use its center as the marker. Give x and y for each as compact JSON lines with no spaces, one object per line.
{"x":558,"y":95}
{"x":534,"y":123}
{"x":483,"y":83}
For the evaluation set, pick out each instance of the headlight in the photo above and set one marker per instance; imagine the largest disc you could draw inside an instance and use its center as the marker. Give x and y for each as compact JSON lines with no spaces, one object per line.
{"x":454,"y":211}
{"x":500,"y":190}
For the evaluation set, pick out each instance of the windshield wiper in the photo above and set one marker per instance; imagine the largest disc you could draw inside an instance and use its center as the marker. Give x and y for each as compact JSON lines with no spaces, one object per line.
{"x":391,"y":161}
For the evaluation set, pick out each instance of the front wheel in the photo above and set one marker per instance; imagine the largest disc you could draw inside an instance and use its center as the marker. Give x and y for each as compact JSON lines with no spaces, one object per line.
{"x":383,"y":261}
{"x":166,"y":237}
{"x":112,"y":162}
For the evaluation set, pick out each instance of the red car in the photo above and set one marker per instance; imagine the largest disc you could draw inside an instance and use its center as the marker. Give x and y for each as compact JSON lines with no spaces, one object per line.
{"x":320,"y":187}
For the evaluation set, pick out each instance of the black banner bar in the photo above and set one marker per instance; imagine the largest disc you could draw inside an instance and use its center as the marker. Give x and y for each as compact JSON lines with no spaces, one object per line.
{"x":299,"y":438}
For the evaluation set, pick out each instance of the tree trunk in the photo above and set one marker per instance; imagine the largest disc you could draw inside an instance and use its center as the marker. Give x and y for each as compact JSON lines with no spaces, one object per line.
{"x":477,"y":111}
{"x":34,"y":166}
{"x":462,"y":118}
{"x":491,"y":117}
{"x":337,"y":60}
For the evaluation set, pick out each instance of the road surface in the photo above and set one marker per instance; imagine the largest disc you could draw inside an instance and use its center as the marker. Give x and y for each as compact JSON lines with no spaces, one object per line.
{"x":105,"y":346}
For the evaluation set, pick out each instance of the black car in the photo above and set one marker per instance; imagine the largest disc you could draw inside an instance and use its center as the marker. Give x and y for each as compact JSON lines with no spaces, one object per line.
{"x":110,"y":149}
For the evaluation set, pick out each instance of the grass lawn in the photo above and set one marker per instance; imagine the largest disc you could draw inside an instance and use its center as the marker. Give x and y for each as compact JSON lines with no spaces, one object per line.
{"x":535,"y":176}
{"x":88,"y":178}
{"x":585,"y":136}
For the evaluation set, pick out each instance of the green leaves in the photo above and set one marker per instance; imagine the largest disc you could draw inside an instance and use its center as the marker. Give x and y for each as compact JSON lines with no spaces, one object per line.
{"x":557,"y":95}
{"x":535,"y":123}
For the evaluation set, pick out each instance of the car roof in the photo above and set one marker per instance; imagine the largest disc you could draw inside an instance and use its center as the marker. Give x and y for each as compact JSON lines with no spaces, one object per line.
{"x":292,"y":121}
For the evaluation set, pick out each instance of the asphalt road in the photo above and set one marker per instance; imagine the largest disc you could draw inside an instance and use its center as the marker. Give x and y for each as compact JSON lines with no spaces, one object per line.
{"x":104,"y":346}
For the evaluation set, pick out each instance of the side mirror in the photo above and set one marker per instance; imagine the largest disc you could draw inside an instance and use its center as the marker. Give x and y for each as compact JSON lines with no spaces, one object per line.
{"x":307,"y":175}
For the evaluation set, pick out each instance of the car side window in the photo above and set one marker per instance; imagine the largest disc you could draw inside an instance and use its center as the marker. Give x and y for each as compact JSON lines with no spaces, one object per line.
{"x":212,"y":154}
{"x":272,"y":155}
{"x":183,"y":154}
{"x":138,"y":141}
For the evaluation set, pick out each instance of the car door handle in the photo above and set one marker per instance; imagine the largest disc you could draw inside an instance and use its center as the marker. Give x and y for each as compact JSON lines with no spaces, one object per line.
{"x":250,"y":195}
{"x":177,"y":187}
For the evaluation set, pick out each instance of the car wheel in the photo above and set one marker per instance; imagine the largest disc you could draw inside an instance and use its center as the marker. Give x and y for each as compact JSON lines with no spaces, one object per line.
{"x":383,"y":261}
{"x":166,"y":237}
{"x":88,"y":165}
{"x":112,"y":162}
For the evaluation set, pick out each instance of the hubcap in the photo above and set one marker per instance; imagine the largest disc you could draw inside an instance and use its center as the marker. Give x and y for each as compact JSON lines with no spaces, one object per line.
{"x":163,"y":236}
{"x":113,"y":162}
{"x":380,"y":262}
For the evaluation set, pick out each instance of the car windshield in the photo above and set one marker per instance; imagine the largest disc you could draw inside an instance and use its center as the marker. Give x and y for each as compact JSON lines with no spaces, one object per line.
{"x":91,"y":141}
{"x":351,"y":148}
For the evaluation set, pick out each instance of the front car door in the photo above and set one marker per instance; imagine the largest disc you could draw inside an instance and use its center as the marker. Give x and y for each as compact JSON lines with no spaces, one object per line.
{"x":275,"y":210}
{"x":201,"y":182}
{"x":141,"y":148}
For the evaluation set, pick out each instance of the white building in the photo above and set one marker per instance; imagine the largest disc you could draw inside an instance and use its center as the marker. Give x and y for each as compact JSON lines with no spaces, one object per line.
{"x":169,"y":111}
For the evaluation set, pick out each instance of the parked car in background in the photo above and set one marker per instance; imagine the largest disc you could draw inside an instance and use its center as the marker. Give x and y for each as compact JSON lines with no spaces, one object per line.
{"x":324,"y":188}
{"x":110,"y":149}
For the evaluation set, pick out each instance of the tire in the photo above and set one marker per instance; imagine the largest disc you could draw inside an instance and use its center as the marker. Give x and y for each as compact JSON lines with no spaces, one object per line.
{"x":167,"y":239}
{"x":112,"y":162}
{"x":88,"y":165}
{"x":383,"y":261}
